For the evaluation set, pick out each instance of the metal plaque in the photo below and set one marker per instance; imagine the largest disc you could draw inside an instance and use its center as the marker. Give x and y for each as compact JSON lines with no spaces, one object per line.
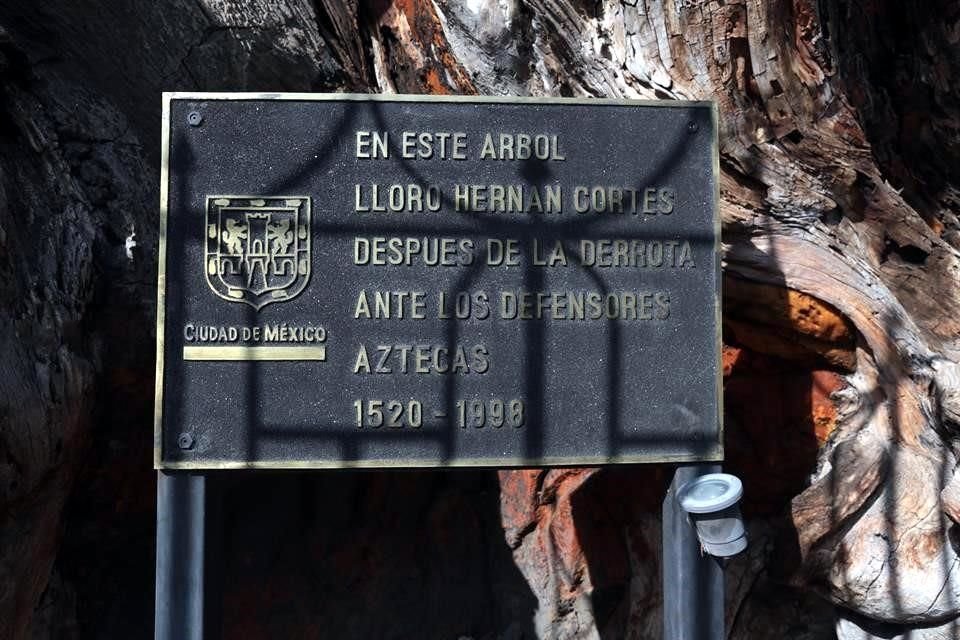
{"x":406,"y":281}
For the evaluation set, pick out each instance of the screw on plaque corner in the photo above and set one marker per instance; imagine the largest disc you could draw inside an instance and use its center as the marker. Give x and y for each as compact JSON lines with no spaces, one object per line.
{"x":194,"y":118}
{"x":692,"y":127}
{"x":185,"y":441}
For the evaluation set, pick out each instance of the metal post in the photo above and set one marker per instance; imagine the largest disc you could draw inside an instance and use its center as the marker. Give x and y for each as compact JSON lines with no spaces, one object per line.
{"x":183,"y":558}
{"x":692,"y":580}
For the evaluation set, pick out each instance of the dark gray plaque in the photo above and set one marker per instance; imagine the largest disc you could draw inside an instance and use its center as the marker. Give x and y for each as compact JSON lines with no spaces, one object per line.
{"x":410,"y":281}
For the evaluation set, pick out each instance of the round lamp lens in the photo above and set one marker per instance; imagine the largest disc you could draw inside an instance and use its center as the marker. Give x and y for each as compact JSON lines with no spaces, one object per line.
{"x":710,"y":493}
{"x":709,"y":490}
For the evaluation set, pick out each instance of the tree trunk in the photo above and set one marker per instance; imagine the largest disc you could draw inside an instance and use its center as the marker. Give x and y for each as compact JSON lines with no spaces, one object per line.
{"x":840,"y":187}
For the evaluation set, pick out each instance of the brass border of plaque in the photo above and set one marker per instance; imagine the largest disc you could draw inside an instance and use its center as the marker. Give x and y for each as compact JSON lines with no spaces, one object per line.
{"x":715,"y":455}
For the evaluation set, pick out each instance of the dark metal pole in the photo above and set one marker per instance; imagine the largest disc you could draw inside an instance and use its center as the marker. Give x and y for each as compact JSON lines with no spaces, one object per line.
{"x":183,"y":523}
{"x":692,"y":580}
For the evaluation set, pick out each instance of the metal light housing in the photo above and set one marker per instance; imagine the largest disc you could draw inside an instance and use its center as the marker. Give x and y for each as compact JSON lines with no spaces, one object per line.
{"x":712,"y":503}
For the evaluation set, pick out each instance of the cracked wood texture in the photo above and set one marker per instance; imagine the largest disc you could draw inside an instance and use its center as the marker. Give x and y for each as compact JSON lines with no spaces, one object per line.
{"x":840,"y":187}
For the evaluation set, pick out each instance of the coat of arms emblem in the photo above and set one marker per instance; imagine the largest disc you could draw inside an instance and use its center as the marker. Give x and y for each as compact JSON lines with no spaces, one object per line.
{"x":257,"y":248}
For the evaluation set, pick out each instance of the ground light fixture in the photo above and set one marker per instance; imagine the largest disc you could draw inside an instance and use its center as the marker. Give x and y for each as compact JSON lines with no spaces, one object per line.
{"x":712,"y":503}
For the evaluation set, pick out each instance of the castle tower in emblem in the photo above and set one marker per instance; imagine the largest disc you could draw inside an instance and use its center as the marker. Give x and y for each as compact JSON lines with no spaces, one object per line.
{"x":257,"y":248}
